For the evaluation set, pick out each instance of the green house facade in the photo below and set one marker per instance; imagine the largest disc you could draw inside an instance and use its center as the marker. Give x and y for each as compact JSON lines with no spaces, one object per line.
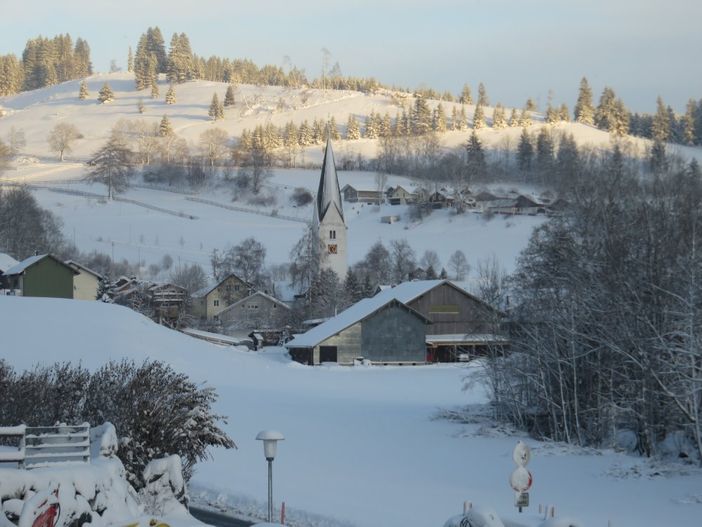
{"x":41,"y":276}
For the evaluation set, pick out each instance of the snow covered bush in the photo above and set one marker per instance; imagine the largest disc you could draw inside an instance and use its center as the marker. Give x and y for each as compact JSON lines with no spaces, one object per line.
{"x":164,"y":489}
{"x":156,"y":411}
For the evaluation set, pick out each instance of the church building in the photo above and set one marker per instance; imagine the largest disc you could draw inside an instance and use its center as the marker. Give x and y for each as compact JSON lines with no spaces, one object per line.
{"x":329,"y":217}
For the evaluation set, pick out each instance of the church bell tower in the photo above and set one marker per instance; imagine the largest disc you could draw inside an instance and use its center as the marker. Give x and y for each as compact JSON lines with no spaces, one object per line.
{"x":329,"y":217}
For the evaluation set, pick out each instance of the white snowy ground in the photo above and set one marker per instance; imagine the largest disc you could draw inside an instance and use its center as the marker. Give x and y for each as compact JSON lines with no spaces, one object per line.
{"x":362,"y":445}
{"x":141,"y":234}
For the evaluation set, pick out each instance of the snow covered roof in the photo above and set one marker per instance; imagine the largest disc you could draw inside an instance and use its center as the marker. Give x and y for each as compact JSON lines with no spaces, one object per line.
{"x":20,"y":267}
{"x":80,"y":267}
{"x":356,"y":313}
{"x":257,"y":293}
{"x":28,"y":262}
{"x":328,"y":193}
{"x":212,"y":286}
{"x":6,"y":262}
{"x":406,"y":292}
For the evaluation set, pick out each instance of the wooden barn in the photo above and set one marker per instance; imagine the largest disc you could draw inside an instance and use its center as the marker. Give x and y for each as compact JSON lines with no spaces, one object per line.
{"x":460,"y":323}
{"x":379,"y":330}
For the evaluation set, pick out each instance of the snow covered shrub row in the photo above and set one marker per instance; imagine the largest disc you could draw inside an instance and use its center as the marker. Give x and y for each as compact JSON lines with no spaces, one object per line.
{"x":156,"y":411}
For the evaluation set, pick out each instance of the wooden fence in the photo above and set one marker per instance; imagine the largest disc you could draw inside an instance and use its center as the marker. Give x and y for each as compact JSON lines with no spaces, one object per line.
{"x":41,"y":446}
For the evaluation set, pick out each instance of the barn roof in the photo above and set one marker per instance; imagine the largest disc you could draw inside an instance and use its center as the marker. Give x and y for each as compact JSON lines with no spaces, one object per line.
{"x":406,"y":292}
{"x":354,"y":314}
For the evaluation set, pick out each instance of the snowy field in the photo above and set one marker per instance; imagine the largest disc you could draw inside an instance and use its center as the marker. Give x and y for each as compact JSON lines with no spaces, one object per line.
{"x":363,"y":446}
{"x":136,"y":233}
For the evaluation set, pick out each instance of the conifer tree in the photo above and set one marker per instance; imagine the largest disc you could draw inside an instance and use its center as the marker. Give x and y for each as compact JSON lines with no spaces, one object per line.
{"x":604,"y":114}
{"x":454,"y":118}
{"x":476,"y":166}
{"x":482,"y":96}
{"x":545,"y":155}
{"x":524,"y":118}
{"x":352,"y":130}
{"x":530,"y":105}
{"x":229,"y":96}
{"x":525,"y":152}
{"x":165,"y":129}
{"x":421,"y":117}
{"x":140,"y":106}
{"x":439,"y":122}
{"x":216,"y":110}
{"x":514,"y":118}
{"x":688,"y":122}
{"x":305,"y":134}
{"x":462,"y":119}
{"x":370,"y":131}
{"x":660,"y":128}
{"x":154,"y":90}
{"x":563,"y":113}
{"x":385,"y":129}
{"x":171,"y":95}
{"x":105,"y":94}
{"x":466,"y":97}
{"x":551,"y":114}
{"x":83,"y":91}
{"x":333,"y":129}
{"x":478,"y":117}
{"x":619,"y":124}
{"x":498,"y":117}
{"x":130,"y":60}
{"x":584,"y":111}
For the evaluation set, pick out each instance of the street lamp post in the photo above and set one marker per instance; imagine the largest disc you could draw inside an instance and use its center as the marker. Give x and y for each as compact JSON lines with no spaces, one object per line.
{"x":270,"y":440}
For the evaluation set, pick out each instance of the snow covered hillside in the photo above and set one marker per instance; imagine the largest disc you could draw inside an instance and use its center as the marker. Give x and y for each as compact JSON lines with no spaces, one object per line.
{"x":36,"y":112}
{"x":362,"y":444}
{"x":137,"y":233}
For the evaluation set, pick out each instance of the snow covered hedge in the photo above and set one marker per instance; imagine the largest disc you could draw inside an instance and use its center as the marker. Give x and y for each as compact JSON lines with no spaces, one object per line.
{"x":156,"y":411}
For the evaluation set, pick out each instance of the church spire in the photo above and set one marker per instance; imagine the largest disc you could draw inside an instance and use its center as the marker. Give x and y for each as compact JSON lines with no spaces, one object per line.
{"x":328,"y":194}
{"x":329,"y":216}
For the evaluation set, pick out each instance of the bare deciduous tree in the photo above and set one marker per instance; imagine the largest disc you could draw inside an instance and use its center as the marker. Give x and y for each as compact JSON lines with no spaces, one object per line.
{"x":61,"y":138}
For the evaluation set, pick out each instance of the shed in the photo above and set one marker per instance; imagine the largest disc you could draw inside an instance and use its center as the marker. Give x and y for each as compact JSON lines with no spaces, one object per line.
{"x":383,"y":331}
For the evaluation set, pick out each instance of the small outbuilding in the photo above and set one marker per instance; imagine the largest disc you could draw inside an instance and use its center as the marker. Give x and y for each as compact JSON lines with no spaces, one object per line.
{"x":380,"y":330}
{"x":256,"y":310}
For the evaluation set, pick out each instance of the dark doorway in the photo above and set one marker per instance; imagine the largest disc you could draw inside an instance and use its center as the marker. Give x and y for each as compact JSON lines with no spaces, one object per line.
{"x":327,"y":354}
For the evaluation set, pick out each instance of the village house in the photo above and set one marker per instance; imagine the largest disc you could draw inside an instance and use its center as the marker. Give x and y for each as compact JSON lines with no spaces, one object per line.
{"x":43,"y":275}
{"x":401,"y":196}
{"x":258,"y":310}
{"x":86,"y":283}
{"x":210,"y":301}
{"x":168,"y":302}
{"x":354,"y":195}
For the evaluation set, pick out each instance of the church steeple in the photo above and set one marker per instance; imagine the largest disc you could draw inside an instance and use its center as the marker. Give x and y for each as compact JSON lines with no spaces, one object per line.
{"x":329,"y":216}
{"x":328,"y":194}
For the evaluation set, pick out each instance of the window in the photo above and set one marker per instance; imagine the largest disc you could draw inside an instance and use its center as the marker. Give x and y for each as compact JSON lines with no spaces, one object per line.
{"x":444,"y":309}
{"x":236,"y":287}
{"x":332,"y":235}
{"x":332,"y":249}
{"x":216,"y":303}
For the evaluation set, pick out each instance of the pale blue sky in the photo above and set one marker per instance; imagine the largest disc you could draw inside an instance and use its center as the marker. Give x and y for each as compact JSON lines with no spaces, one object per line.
{"x":517,"y":48}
